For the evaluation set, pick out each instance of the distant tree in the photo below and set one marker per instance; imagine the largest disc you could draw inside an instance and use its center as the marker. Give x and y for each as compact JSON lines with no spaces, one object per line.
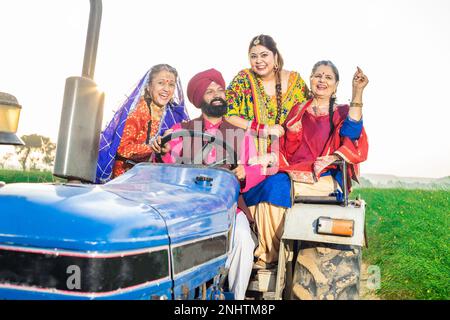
{"x":32,"y":142}
{"x":5,"y":158}
{"x":33,"y":160}
{"x":37,"y":148}
{"x":49,"y":151}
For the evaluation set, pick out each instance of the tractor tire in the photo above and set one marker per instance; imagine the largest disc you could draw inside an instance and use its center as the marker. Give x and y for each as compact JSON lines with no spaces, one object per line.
{"x":326,"y":272}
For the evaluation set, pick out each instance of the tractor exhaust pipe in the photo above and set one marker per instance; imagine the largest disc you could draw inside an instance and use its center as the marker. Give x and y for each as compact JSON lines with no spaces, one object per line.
{"x":82,"y":113}
{"x":93,"y":34}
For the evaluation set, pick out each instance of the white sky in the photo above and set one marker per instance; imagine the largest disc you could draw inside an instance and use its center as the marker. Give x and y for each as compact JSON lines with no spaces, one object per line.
{"x":403,"y":47}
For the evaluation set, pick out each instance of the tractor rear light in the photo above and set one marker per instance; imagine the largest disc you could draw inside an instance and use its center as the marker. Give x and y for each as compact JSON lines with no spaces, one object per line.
{"x":336,"y":227}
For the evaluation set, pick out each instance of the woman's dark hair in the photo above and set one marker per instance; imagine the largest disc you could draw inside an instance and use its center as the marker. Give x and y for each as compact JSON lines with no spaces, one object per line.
{"x":333,"y":98}
{"x":153,"y":72}
{"x":269,"y":43}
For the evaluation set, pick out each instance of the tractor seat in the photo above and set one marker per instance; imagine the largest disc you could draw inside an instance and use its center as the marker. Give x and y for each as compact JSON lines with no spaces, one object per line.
{"x":329,"y":192}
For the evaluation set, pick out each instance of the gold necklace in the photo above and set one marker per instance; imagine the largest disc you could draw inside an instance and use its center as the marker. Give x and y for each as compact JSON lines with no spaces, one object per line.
{"x":318,"y":111}
{"x":156,"y":111}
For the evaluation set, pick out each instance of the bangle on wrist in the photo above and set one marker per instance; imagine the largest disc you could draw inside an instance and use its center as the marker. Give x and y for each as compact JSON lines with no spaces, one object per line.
{"x":356,"y":104}
{"x":261,"y":129}
{"x":254,"y":126}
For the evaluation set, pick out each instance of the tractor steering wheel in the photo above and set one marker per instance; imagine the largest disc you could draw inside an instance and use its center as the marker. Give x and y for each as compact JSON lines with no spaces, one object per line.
{"x":210,"y":141}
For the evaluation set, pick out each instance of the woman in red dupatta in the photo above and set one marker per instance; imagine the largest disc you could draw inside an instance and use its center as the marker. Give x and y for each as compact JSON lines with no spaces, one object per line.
{"x":317,"y":133}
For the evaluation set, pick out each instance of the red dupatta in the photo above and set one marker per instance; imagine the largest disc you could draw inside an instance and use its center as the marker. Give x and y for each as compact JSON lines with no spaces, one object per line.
{"x":353,"y":152}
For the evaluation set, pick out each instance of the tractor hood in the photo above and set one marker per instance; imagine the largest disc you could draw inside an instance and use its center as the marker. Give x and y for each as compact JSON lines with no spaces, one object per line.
{"x":194,"y":201}
{"x":76,"y":217}
{"x":142,"y":208}
{"x":125,"y":237}
{"x":50,"y":233}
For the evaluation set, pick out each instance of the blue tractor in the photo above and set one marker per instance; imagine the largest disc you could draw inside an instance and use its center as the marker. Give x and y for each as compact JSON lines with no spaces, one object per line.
{"x":156,"y":232}
{"x":159,"y":231}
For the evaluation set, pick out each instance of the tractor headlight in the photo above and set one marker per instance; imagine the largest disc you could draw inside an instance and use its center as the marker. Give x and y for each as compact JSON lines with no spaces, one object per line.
{"x":9,"y":119}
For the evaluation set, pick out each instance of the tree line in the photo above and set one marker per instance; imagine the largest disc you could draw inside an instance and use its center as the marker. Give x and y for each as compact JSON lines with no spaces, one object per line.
{"x":38,"y":152}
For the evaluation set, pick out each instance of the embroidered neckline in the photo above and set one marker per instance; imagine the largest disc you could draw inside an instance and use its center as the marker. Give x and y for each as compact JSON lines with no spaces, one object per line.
{"x":265,"y":97}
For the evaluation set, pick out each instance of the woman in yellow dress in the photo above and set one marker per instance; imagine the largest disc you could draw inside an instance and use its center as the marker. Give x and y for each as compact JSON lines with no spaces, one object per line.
{"x":261,"y":96}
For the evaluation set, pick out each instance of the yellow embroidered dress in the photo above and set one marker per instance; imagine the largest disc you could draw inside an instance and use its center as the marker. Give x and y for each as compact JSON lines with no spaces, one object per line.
{"x":247,"y":99}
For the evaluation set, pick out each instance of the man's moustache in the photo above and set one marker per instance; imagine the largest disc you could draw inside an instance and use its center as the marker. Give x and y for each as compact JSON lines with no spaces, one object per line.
{"x":222,"y":102}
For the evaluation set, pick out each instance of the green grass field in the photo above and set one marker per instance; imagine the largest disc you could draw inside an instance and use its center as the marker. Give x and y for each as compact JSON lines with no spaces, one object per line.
{"x":12,"y":176}
{"x":408,"y":232}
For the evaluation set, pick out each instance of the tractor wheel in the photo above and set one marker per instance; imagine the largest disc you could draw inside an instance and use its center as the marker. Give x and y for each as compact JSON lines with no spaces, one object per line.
{"x":326,"y":272}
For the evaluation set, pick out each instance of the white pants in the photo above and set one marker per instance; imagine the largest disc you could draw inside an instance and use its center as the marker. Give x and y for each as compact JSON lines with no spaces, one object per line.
{"x":240,"y":260}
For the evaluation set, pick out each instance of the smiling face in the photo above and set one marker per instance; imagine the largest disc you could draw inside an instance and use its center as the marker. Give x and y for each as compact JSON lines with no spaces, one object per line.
{"x":162,"y":87}
{"x":262,"y":60}
{"x":213,"y":91}
{"x":323,"y":82}
{"x":214,"y":104}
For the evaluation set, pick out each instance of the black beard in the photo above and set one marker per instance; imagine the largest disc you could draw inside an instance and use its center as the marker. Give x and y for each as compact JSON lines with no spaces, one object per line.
{"x":214,"y":111}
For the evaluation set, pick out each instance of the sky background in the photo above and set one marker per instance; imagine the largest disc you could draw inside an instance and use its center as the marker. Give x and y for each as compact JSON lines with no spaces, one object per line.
{"x":402,"y":46}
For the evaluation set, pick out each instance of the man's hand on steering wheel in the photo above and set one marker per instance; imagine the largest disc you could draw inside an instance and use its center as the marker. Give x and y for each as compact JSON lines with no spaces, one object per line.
{"x":230,"y":153}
